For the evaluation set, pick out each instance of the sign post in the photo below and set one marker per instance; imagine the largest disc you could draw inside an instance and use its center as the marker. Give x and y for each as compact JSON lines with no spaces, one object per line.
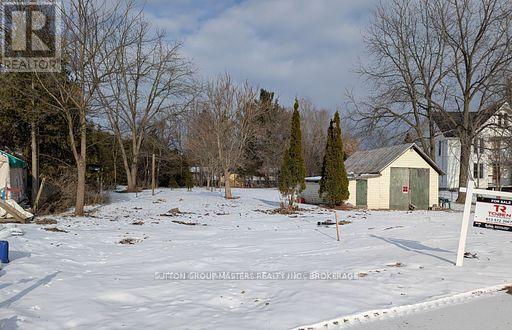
{"x":337,"y":226}
{"x":493,"y":213}
{"x":465,"y":224}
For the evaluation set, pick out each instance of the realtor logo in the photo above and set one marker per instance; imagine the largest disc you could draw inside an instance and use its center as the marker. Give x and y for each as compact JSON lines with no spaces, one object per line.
{"x":30,"y":37}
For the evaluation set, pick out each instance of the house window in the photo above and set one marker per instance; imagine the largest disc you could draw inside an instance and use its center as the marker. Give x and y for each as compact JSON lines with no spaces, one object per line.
{"x":496,"y":144}
{"x":478,"y":171}
{"x":479,"y":146}
{"x":496,"y":173}
{"x":440,"y":147}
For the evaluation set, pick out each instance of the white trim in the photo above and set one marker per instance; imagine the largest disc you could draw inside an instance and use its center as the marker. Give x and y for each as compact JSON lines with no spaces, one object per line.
{"x":485,"y":192}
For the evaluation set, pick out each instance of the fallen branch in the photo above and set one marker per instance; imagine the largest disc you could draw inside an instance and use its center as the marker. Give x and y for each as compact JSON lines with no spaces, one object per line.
{"x":55,"y":230}
{"x":188,"y":223}
{"x":174,"y":213}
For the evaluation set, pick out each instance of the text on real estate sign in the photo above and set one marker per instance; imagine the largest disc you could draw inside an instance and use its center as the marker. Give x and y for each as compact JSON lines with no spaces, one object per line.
{"x":493,"y":213}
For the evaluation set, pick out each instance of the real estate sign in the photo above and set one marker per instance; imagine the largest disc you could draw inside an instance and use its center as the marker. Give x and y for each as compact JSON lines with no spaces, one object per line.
{"x":493,"y":213}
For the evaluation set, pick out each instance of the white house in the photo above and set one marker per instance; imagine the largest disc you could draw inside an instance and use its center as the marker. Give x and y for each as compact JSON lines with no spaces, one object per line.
{"x":490,"y":161}
{"x":396,"y":178}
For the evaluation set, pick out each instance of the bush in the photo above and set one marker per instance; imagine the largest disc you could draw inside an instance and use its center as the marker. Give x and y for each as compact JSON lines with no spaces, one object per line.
{"x":59,"y":193}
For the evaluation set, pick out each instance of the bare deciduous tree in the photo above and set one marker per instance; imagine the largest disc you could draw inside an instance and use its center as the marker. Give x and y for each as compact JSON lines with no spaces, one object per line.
{"x":225,"y":123}
{"x":87,"y":27}
{"x":151,"y":81}
{"x":200,"y":138}
{"x":436,"y":59}
{"x":314,"y":124}
{"x":479,"y":37}
{"x":406,"y":69}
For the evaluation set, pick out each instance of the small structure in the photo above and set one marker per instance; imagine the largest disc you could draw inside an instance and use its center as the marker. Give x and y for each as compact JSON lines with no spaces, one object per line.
{"x":13,"y":177}
{"x":400,"y":177}
{"x":13,"y":188}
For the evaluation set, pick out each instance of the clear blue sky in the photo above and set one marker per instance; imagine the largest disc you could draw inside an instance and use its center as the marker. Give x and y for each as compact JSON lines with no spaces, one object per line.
{"x":292,"y":47}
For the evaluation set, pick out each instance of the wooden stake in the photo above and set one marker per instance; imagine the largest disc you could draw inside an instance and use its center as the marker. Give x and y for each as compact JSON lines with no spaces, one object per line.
{"x":153,"y":181}
{"x":36,"y":203}
{"x":337,"y":227}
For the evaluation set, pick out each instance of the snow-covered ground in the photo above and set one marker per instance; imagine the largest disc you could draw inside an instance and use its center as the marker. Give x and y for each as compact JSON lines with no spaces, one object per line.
{"x":84,"y":278}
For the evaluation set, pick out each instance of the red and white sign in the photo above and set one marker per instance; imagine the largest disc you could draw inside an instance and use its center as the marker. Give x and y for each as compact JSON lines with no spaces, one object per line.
{"x":405,"y":189}
{"x":493,"y":213}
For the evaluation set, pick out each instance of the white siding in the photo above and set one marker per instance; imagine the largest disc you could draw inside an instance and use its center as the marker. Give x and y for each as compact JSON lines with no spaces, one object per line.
{"x":492,"y":129}
{"x":453,"y":168}
{"x":310,"y":194}
{"x":4,"y":172}
{"x":450,"y":162}
{"x":378,"y":193}
{"x":442,"y":158}
{"x":352,"y":191}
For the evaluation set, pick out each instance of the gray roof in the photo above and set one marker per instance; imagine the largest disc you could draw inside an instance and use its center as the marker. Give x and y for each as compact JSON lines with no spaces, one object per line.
{"x":449,"y":122}
{"x":376,"y":160}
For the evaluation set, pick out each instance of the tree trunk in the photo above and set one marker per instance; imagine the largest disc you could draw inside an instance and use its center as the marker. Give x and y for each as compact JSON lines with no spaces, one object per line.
{"x":227,"y":186}
{"x":132,"y":178}
{"x":80,"y":189}
{"x":35,"y":162}
{"x":465,"y":153}
{"x":291,"y":198}
{"x":81,"y":164}
{"x":153,"y":175}
{"x":115,"y":172}
{"x":432,"y":136}
{"x":131,"y":174}
{"x":129,"y":182}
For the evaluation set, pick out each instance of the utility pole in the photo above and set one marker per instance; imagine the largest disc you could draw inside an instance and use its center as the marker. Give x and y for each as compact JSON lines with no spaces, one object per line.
{"x":34,"y":148}
{"x":153,"y":179}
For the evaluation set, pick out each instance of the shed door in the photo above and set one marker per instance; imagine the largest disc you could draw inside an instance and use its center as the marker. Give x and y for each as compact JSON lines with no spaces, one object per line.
{"x":419,"y":181}
{"x":399,"y":189}
{"x":361,"y":192}
{"x":409,"y":186}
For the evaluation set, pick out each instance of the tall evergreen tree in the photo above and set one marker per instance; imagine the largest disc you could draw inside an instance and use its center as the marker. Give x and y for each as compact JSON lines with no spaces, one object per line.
{"x":334,"y":182}
{"x":327,"y":159}
{"x":189,"y":180}
{"x":293,"y":169}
